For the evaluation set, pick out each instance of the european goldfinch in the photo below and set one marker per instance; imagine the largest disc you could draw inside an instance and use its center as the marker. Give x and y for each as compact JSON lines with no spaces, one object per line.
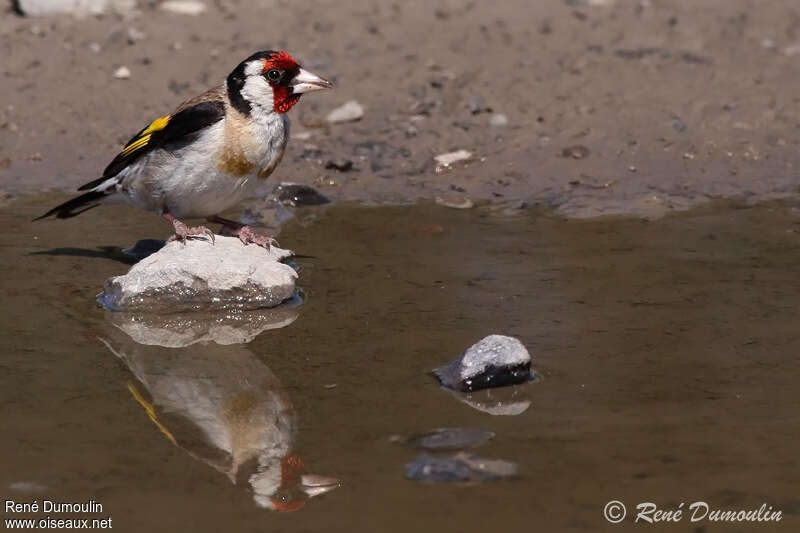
{"x":211,"y":153}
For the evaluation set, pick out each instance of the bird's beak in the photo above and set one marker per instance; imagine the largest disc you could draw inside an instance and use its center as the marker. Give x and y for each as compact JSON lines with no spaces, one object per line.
{"x":314,"y":485}
{"x":305,"y":82}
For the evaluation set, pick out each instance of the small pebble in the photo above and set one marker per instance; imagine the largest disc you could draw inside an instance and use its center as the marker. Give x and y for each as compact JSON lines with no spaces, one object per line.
{"x":183,"y":7}
{"x":477,"y":105}
{"x":122,"y":73}
{"x":342,"y":165}
{"x":348,"y":112}
{"x":135,"y":35}
{"x":576,"y":152}
{"x":678,"y":124}
{"x":498,"y":120}
{"x":448,"y":159}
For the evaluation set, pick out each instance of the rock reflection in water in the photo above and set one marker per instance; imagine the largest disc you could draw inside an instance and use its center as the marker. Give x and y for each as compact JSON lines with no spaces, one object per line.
{"x":211,"y":396}
{"x":503,"y":401}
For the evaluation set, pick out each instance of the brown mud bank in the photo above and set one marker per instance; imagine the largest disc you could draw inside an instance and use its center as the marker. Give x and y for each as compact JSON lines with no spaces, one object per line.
{"x":613,"y":107}
{"x":667,"y":352}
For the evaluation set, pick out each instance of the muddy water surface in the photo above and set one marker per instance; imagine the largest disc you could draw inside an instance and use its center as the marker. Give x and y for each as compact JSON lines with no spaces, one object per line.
{"x":667,"y":351}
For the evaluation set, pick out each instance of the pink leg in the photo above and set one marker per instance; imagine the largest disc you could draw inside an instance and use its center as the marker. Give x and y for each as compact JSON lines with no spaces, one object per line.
{"x":248,"y":236}
{"x":183,"y":232}
{"x":245,"y":233}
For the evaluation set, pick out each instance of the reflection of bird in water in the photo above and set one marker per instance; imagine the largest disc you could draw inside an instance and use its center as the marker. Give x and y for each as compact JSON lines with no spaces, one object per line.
{"x":226,"y":408}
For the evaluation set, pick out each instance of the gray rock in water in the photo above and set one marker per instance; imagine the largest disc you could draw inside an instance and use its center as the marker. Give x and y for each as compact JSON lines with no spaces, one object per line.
{"x":298,"y":195}
{"x":199,"y":275}
{"x":451,"y":439}
{"x":461,"y":467}
{"x":495,"y":361}
{"x":143,"y":248}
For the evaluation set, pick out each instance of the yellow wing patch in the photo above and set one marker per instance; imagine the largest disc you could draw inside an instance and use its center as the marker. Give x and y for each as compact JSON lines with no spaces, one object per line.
{"x":143,"y":138}
{"x":158,"y":124}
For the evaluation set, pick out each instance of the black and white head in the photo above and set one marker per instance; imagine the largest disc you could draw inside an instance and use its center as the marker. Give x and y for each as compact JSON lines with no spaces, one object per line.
{"x":271,"y":81}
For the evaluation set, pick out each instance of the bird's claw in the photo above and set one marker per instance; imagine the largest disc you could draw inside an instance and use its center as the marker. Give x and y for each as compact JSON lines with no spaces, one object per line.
{"x":184,"y":232}
{"x":248,"y":236}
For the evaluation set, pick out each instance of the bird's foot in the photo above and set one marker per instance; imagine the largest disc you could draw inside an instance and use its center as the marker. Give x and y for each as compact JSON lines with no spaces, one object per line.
{"x":184,"y":232}
{"x":248,"y":236}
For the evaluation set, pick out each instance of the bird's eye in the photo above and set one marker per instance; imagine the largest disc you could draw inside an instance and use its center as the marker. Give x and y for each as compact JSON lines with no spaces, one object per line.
{"x":273,"y":74}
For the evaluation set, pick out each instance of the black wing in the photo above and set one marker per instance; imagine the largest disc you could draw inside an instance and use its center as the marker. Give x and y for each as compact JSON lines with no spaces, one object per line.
{"x":167,"y":131}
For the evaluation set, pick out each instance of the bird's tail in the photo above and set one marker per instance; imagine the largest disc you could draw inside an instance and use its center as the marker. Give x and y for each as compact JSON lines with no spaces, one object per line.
{"x":81,"y":203}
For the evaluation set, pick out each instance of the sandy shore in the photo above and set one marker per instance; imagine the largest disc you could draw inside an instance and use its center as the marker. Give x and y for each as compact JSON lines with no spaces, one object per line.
{"x":634,"y":107}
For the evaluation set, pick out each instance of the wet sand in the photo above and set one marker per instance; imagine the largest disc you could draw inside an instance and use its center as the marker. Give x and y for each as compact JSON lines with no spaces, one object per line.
{"x":667,"y":352}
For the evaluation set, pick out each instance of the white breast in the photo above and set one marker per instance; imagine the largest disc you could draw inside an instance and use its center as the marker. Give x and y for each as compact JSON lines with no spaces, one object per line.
{"x":199,"y":180}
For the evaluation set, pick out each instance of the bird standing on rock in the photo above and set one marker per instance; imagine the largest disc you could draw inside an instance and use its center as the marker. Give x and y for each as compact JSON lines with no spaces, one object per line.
{"x":211,"y":153}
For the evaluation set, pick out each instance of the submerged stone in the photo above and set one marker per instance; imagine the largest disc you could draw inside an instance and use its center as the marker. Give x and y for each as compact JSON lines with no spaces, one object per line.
{"x":460,"y":467}
{"x":451,"y":438}
{"x":298,"y":195}
{"x":495,"y":361}
{"x":199,"y":275}
{"x":143,"y":248}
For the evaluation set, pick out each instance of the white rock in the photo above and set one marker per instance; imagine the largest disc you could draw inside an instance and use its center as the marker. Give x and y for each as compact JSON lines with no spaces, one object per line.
{"x":448,"y":159}
{"x":78,"y":8}
{"x":198,"y":275}
{"x":495,"y":361}
{"x":183,"y":7}
{"x":122,"y":73}
{"x":347,"y":112}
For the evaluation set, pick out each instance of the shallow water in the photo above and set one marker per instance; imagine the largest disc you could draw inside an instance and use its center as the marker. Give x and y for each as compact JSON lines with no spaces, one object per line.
{"x":667,"y":353}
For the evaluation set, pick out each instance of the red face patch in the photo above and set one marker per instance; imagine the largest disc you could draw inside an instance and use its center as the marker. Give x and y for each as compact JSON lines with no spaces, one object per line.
{"x":281,"y":60}
{"x":283,"y":100}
